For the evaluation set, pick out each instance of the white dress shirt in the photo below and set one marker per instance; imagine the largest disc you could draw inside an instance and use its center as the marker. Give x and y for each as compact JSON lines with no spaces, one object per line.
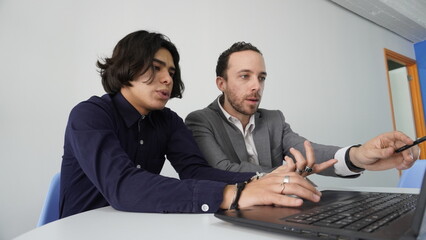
{"x":247,"y":134}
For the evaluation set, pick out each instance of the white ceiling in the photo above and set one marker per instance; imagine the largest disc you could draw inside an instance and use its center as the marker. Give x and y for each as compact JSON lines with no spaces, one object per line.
{"x":407,"y":18}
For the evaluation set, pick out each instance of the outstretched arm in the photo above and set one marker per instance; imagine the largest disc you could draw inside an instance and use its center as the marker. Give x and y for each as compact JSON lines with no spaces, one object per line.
{"x":379,"y":153}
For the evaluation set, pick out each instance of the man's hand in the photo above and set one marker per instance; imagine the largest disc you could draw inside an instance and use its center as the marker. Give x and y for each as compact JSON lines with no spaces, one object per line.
{"x":273,"y":189}
{"x":303,"y":164}
{"x":379,"y":153}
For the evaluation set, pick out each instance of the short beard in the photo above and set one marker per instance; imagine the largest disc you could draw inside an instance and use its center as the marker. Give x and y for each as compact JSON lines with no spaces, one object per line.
{"x":239,"y":108}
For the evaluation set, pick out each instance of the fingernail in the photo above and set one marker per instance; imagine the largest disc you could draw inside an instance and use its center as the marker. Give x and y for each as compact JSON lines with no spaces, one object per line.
{"x":316,"y":197}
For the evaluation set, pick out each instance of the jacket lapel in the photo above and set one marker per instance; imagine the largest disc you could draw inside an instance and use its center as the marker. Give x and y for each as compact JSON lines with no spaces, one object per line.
{"x":232,"y":136}
{"x":261,"y":140}
{"x":237,"y":141}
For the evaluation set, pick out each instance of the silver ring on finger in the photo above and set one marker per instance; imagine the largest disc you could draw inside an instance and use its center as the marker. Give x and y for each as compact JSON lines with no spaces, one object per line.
{"x":298,"y":171}
{"x":286,"y":179}
{"x":308,"y":169}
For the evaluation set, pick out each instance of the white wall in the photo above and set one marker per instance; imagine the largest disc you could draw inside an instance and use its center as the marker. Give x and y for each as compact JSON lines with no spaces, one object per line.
{"x":326,"y":72}
{"x":401,"y":100}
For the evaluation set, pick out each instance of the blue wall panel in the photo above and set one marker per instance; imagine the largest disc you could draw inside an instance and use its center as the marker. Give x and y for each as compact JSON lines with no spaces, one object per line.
{"x":420,"y":50}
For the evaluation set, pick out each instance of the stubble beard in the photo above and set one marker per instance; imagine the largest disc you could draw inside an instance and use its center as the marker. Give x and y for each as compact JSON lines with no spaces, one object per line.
{"x":239,"y":106}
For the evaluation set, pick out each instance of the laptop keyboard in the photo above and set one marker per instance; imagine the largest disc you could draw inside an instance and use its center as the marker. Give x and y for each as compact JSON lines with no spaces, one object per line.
{"x":365,"y":213}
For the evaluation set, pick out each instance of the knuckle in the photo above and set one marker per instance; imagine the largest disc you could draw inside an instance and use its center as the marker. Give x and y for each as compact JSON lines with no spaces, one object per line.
{"x":302,"y":161}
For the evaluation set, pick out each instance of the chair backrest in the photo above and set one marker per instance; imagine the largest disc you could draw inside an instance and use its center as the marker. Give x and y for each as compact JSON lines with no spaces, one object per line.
{"x":50,"y":210}
{"x":412,"y":177}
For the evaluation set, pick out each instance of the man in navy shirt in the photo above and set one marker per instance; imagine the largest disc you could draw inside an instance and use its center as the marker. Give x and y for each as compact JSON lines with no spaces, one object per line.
{"x":116,"y":145}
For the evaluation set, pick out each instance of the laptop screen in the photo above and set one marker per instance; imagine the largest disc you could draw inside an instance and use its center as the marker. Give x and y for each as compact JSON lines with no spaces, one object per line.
{"x":419,"y":221}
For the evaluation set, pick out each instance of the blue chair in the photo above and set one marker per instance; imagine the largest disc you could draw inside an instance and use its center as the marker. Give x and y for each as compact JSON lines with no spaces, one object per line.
{"x":50,"y":210}
{"x":412,"y":177}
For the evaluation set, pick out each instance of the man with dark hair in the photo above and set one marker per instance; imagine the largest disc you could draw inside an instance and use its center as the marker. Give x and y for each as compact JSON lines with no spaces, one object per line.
{"x":234,"y":134}
{"x":115,"y":145}
{"x":130,"y":54}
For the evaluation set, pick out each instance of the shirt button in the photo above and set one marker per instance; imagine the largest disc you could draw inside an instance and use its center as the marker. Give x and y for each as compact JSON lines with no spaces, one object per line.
{"x":138,"y":166}
{"x":141,"y":142}
{"x":205,"y":207}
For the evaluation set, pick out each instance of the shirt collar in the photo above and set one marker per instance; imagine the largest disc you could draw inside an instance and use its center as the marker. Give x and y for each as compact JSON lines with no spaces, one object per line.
{"x":232,"y":119}
{"x":129,"y":114}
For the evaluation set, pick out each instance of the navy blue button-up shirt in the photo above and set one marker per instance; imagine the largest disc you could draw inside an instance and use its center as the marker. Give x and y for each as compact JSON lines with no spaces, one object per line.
{"x":113,"y":156}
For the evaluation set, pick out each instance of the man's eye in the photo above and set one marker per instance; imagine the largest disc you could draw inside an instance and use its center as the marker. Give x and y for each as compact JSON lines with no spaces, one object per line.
{"x":262,"y":78}
{"x":245,"y":76}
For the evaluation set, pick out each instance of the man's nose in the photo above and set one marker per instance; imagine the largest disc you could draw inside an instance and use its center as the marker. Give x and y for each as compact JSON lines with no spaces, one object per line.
{"x":255,"y":85}
{"x":165,"y":78}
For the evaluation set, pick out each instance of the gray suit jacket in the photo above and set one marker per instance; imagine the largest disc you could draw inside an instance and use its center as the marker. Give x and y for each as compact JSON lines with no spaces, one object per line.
{"x":223,"y":144}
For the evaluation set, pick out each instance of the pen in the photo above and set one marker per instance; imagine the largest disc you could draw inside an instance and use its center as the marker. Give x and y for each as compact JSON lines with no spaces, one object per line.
{"x":422,"y":139}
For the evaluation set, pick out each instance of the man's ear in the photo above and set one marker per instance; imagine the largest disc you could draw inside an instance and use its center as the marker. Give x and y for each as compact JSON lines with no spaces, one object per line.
{"x":220,"y":83}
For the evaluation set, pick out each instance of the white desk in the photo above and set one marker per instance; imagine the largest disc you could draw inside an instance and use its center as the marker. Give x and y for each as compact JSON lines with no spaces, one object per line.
{"x":107,"y":223}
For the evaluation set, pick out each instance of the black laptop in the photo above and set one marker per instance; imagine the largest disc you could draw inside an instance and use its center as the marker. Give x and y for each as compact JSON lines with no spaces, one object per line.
{"x":342,"y":215}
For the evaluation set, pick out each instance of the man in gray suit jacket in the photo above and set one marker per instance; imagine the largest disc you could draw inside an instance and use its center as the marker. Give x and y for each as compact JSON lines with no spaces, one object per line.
{"x":234,"y":134}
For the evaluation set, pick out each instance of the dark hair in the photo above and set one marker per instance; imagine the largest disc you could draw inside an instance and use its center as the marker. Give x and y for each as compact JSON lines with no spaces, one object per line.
{"x":222,"y":62}
{"x":133,"y":55}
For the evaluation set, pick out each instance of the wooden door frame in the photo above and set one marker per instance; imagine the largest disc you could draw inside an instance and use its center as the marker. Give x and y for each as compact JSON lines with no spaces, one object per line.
{"x":416,"y":97}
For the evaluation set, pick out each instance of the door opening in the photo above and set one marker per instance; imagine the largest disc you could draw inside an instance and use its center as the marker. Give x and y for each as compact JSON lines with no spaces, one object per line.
{"x":405,"y":96}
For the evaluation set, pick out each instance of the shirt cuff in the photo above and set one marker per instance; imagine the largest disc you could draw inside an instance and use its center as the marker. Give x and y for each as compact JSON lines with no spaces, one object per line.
{"x":340,"y":168}
{"x":208,"y":195}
